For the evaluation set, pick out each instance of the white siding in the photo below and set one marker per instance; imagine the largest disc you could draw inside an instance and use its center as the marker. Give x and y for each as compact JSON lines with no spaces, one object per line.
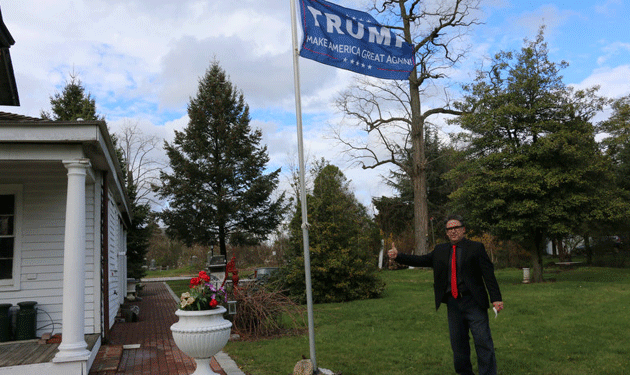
{"x":116,"y":278}
{"x":43,"y":226}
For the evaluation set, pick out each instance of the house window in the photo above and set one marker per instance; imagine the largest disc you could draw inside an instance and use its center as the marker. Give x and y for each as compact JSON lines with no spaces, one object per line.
{"x":7,"y":236}
{"x":10,"y":236}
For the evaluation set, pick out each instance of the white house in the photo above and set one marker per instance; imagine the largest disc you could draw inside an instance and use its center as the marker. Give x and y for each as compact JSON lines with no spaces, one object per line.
{"x":63,"y":218}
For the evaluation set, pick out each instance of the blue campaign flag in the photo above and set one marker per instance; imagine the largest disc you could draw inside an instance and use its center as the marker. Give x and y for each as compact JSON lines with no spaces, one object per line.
{"x":353,"y":40}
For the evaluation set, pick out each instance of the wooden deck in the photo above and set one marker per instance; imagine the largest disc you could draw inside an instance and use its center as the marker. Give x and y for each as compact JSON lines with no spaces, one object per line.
{"x":28,"y":352}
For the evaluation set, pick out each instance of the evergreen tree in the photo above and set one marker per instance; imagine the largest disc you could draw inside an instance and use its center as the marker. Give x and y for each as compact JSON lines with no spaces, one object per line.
{"x":534,"y":170}
{"x":72,"y":104}
{"x":617,"y":142}
{"x":616,"y":145}
{"x":138,"y":235}
{"x":217,"y":190}
{"x":344,"y":243}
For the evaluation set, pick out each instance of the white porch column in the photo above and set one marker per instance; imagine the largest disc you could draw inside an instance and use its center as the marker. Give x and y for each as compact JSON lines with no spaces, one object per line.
{"x":73,"y":346}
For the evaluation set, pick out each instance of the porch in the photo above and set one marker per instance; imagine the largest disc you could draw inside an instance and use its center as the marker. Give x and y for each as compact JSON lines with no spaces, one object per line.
{"x":33,"y":357}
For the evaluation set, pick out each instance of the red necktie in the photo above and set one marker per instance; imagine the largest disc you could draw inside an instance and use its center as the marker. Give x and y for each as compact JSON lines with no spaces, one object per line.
{"x":454,"y":273}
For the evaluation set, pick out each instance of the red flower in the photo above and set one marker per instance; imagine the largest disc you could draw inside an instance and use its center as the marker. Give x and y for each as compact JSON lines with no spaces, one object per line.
{"x":194,"y":282}
{"x":204,"y":276}
{"x":213,"y":303}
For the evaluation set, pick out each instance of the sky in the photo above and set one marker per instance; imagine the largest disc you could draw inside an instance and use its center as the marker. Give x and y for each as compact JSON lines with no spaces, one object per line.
{"x":141,"y":60}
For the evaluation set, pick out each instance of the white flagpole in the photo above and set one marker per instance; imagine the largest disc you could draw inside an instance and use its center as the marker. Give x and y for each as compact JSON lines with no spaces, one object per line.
{"x":307,"y":254}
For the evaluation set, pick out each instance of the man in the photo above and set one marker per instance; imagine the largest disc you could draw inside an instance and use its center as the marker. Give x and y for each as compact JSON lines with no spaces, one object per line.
{"x":464,"y":292}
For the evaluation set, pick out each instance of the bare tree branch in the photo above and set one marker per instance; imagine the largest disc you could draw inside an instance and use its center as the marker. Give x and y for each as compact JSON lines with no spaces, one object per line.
{"x":140,"y":151}
{"x":389,"y":112}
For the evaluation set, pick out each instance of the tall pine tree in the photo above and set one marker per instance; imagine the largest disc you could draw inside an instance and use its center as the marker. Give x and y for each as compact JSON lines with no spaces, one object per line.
{"x":139,"y":234}
{"x":72,"y":104}
{"x":217,"y":190}
{"x":344,"y":242}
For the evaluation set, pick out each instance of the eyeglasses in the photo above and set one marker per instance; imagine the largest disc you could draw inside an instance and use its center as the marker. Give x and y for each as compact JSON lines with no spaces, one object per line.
{"x":454,"y":228}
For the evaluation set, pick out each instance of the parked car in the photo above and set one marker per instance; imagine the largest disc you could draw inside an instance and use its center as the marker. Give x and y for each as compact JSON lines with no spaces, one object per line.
{"x":262,"y":274}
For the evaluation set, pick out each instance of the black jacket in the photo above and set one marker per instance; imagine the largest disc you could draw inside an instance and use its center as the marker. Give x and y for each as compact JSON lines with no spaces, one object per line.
{"x":477,"y":271}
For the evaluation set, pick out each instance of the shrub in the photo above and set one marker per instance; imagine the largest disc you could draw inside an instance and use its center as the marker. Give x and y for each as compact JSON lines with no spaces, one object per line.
{"x":344,"y":243}
{"x":264,"y":312}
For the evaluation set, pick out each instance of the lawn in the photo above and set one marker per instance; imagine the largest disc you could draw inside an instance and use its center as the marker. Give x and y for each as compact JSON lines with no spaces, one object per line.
{"x":576,"y":323}
{"x":186,"y":271}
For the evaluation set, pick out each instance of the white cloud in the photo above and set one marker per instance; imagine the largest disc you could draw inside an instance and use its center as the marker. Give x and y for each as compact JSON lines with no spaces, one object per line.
{"x":608,"y":8}
{"x":614,"y":82}
{"x":612,"y":50}
{"x":549,"y":15}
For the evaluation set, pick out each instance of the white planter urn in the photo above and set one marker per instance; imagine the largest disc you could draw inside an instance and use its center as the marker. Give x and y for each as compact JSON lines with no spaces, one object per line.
{"x":131,"y":289}
{"x":201,"y":335}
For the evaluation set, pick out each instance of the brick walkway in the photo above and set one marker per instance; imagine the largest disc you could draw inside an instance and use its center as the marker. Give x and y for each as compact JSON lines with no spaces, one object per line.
{"x":157,"y":353}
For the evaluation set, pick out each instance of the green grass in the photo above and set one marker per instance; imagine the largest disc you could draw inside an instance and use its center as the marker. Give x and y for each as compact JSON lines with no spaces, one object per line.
{"x":577,"y":324}
{"x":185,"y":271}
